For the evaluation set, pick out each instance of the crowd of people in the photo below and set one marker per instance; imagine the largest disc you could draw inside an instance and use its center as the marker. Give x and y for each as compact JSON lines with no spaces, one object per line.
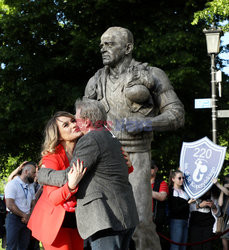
{"x":185,"y":220}
{"x":86,"y":196}
{"x":53,"y":223}
{"x":47,"y":214}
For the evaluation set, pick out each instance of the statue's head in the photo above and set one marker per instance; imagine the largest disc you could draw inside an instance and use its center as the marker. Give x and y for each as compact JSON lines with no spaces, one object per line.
{"x":116,"y":44}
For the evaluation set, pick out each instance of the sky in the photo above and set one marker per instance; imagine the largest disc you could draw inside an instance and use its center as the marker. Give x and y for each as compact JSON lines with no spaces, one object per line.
{"x":225,"y":56}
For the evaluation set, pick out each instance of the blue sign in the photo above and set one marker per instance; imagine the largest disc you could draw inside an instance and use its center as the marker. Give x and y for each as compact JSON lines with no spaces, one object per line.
{"x":200,"y":161}
{"x":203,"y":103}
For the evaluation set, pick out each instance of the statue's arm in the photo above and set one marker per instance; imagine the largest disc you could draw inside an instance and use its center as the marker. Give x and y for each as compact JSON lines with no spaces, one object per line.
{"x":171,"y":110}
{"x":91,"y":87}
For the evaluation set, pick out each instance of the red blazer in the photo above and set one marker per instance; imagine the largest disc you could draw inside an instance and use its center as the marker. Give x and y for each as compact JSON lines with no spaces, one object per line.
{"x":48,"y":214}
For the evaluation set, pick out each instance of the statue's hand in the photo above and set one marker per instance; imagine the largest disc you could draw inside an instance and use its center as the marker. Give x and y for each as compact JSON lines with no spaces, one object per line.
{"x":136,"y":125}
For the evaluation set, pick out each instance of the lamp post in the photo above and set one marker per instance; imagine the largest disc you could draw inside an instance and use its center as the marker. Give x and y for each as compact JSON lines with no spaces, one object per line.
{"x":213,"y":42}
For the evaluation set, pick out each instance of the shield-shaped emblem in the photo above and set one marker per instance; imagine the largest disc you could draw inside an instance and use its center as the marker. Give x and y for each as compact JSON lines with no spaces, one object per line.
{"x":200,"y":161}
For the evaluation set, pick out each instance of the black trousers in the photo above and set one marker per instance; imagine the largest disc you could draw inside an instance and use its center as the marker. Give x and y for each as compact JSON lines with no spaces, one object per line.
{"x":197,"y":233}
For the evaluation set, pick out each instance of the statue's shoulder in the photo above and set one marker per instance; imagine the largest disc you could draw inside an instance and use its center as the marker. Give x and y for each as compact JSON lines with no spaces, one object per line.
{"x":153,"y":78}
{"x":99,"y":72}
{"x":144,"y":68}
{"x":93,"y":88}
{"x":139,"y":65}
{"x":147,"y":67}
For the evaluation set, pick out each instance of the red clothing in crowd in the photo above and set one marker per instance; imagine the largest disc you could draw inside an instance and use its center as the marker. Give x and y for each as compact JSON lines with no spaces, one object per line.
{"x":49,"y":213}
{"x":163,"y":188}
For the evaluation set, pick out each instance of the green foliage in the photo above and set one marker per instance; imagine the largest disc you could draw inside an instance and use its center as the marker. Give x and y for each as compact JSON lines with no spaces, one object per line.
{"x":215,"y":12}
{"x":223,"y":141}
{"x":50,"y":49}
{"x":9,"y":163}
{"x":4,"y":8}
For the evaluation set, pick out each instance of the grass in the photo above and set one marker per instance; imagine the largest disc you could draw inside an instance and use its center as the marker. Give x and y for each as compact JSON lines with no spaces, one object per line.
{"x":1,"y":245}
{"x":41,"y":248}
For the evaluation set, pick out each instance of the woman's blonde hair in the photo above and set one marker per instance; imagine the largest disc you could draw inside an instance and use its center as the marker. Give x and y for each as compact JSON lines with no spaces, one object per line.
{"x":51,"y":133}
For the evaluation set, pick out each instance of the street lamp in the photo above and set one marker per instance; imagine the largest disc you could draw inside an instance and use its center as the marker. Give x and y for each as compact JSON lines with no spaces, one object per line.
{"x":213,"y":42}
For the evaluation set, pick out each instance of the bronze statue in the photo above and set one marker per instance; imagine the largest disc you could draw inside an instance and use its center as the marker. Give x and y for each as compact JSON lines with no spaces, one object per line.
{"x":138,"y":99}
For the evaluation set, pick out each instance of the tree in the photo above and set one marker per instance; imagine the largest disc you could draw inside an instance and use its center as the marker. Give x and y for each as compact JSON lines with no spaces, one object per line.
{"x":216,"y":11}
{"x":49,"y":50}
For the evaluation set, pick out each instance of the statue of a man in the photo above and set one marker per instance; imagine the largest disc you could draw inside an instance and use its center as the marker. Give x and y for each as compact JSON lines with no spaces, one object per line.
{"x":138,"y":99}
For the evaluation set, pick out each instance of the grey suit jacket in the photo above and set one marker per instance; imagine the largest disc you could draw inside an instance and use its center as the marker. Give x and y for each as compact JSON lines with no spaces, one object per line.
{"x":105,"y":197}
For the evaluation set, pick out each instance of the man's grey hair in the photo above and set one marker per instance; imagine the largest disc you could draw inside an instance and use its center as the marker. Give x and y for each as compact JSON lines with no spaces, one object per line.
{"x":126,"y":34}
{"x":92,"y":110}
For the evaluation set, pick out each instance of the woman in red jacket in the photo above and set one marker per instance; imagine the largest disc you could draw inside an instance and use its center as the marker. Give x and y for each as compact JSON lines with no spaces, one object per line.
{"x":53,"y":219}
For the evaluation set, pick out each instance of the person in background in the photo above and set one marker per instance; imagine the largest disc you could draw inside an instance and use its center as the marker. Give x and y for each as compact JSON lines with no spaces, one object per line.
{"x":179,"y":210}
{"x":16,"y":172}
{"x":36,"y":185}
{"x":33,"y":244}
{"x":223,"y":202}
{"x":53,"y":219}
{"x":2,"y":220}
{"x":202,"y":223}
{"x":20,"y":200}
{"x":160,"y":192}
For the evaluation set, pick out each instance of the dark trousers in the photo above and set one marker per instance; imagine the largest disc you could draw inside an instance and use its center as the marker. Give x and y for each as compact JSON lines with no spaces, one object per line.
{"x":199,"y":234}
{"x":164,"y":230}
{"x":110,"y":239}
{"x":33,"y":244}
{"x":2,"y":223}
{"x":17,"y":233}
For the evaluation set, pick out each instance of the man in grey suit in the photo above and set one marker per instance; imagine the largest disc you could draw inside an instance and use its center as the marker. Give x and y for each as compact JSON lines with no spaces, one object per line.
{"x":106,"y":212}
